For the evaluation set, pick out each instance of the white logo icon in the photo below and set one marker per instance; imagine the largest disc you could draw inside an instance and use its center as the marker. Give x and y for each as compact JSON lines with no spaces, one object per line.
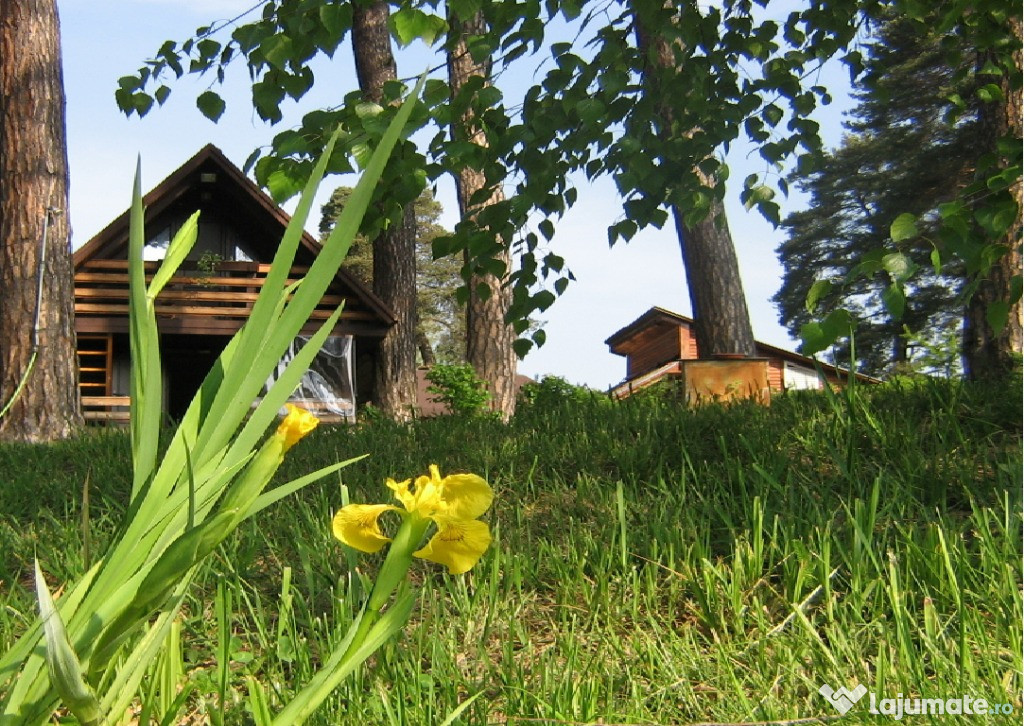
{"x":843,"y":699}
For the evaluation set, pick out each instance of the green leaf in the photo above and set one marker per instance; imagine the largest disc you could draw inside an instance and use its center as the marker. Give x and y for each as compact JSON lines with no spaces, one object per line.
{"x":435,"y":92}
{"x":178,"y":249}
{"x":129,"y":83}
{"x":465,"y":9}
{"x":817,"y":336}
{"x":990,"y":93}
{"x":66,"y":673}
{"x":336,"y":19}
{"x":208,"y":48}
{"x":277,"y":49}
{"x":894,"y":300}
{"x":283,"y":184}
{"x":758,"y":195}
{"x":997,"y":314}
{"x":410,"y":24}
{"x":904,"y":227}
{"x":211,"y":105}
{"x":544,"y":299}
{"x":819,"y":289}
{"x":142,"y":103}
{"x":813,"y":339}
{"x":898,"y":265}
{"x":522,"y":346}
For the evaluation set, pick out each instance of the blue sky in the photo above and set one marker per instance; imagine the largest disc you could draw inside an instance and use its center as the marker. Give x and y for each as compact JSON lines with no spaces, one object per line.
{"x":105,"y":39}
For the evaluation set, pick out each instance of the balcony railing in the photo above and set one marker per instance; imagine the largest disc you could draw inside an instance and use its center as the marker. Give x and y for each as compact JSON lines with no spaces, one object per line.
{"x":221,"y":299}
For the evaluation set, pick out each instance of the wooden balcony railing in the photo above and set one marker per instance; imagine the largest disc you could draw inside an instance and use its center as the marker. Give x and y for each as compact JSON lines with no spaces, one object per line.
{"x":222,"y":299}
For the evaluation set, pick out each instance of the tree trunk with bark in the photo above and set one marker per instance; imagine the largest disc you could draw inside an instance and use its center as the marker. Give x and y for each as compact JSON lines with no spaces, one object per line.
{"x":427,"y":357}
{"x":33,"y":207}
{"x":488,"y":337}
{"x":394,"y":250}
{"x":721,"y":319}
{"x":988,"y":354}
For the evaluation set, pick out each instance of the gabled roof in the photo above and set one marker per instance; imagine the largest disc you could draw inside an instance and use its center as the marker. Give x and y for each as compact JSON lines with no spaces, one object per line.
{"x":620,"y":341}
{"x":209,"y":181}
{"x":654,"y":318}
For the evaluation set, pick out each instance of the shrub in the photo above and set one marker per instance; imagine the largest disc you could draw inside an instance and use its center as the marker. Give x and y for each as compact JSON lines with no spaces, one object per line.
{"x":552,"y":391}
{"x":459,"y":388}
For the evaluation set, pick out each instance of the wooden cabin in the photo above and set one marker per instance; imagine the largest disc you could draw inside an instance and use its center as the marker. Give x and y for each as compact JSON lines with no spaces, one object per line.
{"x":661,"y":344}
{"x":211,"y":296}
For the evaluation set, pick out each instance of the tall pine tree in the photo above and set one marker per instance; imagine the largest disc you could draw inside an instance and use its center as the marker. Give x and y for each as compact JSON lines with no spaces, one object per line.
{"x":902,"y":155}
{"x":38,"y":371}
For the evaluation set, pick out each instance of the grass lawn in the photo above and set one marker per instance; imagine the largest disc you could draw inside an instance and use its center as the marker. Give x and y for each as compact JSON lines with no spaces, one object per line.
{"x":651,"y":564}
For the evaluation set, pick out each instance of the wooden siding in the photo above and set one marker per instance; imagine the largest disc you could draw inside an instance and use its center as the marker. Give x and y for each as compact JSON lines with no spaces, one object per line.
{"x":687,"y":343}
{"x":216,"y":304}
{"x":775,"y":373}
{"x":660,"y":345}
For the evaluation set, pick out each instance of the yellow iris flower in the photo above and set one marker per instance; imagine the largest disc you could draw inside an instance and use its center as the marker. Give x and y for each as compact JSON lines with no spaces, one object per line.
{"x":453,"y":503}
{"x":295,"y":425}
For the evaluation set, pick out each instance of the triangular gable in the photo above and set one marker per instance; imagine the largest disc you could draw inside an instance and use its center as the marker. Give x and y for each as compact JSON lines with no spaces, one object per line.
{"x":210,"y":182}
{"x":626,"y":339}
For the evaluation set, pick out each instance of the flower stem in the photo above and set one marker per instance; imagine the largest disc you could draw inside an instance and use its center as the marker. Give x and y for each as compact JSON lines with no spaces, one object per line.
{"x":392,"y":574}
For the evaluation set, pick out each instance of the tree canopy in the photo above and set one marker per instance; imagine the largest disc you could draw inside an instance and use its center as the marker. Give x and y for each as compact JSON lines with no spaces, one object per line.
{"x":737,"y":72}
{"x":901,"y":156}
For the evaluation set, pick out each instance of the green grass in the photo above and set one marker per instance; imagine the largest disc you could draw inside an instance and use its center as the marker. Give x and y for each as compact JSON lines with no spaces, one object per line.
{"x":651,"y":565}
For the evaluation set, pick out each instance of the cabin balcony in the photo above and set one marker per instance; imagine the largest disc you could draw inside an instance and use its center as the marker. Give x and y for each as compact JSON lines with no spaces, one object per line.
{"x":193,"y":302}
{"x":197,"y":312}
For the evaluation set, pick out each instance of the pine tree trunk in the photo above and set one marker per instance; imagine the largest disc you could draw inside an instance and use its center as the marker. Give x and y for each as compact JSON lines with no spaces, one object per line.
{"x":986,"y":353}
{"x":427,"y":357}
{"x":394,"y":250}
{"x":721,"y":319}
{"x":488,"y":337}
{"x":34,"y":203}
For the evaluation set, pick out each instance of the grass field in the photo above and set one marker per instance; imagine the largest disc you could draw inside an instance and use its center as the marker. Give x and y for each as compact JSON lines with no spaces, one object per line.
{"x":651,"y":564}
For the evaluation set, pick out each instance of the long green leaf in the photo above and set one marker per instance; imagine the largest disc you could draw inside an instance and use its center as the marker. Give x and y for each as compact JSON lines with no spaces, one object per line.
{"x":65,"y":670}
{"x":146,"y":382}
{"x":248,"y":369}
{"x":280,"y":333}
{"x":338,"y":667}
{"x":178,"y":249}
{"x":280,"y":492}
{"x":267,"y":409}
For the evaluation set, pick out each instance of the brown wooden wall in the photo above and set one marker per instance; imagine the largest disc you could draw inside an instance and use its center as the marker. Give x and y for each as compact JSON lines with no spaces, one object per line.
{"x":775,"y":373}
{"x":687,"y":343}
{"x":659,"y":346}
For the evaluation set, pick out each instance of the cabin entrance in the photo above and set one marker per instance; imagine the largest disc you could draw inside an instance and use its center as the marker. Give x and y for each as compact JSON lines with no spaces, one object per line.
{"x":187,"y":359}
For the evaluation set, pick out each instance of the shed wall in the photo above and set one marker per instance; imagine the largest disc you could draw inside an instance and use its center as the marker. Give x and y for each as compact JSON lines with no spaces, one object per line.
{"x":662,"y":347}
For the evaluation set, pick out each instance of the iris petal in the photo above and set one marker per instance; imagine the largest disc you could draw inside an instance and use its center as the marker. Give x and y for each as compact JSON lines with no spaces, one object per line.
{"x":466,"y":496}
{"x":357,"y":526}
{"x":402,"y":493}
{"x":458,"y":544}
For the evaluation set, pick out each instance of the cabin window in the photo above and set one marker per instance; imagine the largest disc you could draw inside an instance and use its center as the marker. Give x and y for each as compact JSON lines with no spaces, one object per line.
{"x":327,"y":389}
{"x":800,"y":378}
{"x":156,"y":246}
